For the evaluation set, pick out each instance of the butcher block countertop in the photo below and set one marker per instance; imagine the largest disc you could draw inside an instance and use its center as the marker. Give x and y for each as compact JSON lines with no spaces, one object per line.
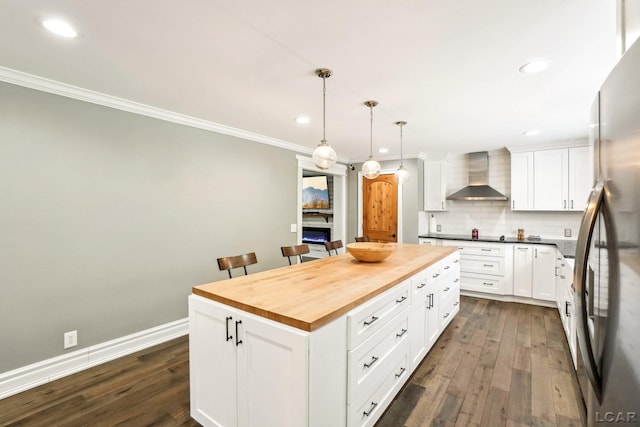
{"x":310,"y":295}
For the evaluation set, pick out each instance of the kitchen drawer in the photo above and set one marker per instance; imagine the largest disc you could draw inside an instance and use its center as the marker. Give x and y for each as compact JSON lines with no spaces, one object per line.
{"x":478,"y":248}
{"x":479,"y":283}
{"x":368,"y":410}
{"x":420,"y":284}
{"x":372,"y":316}
{"x":449,"y":288}
{"x":450,"y":265}
{"x":449,"y":308}
{"x":483,"y":265}
{"x":371,"y":359}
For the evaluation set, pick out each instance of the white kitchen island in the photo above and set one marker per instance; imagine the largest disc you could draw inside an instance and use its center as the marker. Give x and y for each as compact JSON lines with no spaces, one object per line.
{"x":324,"y":343}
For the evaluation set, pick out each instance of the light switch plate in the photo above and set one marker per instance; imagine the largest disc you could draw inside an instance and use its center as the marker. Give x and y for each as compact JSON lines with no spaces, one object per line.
{"x":294,"y":228}
{"x":567,"y":232}
{"x":439,"y":228}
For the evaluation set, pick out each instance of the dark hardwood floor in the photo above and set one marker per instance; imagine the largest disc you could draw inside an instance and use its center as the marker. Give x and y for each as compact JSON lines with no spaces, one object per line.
{"x":497,"y":364}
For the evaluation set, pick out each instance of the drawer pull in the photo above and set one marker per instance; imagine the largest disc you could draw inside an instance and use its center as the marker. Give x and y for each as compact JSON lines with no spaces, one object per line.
{"x":446,"y":315}
{"x":456,"y":261}
{"x":485,"y":250}
{"x":457,"y":280}
{"x":401,"y":299}
{"x":487,"y":265}
{"x":421,"y":285}
{"x":404,"y":331}
{"x":436,"y":275}
{"x":487,"y":283}
{"x":373,"y":319}
{"x":455,"y":304}
{"x":446,"y":289}
{"x":447,"y":267}
{"x":370,"y":364}
{"x":399,"y":374}
{"x":373,"y":406}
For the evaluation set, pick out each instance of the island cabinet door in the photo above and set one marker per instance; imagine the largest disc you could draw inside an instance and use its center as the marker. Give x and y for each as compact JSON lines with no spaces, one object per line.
{"x":272,"y":374}
{"x":212,"y":364}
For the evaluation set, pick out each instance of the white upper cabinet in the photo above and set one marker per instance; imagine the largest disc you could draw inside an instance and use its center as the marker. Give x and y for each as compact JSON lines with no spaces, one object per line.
{"x":580,"y":177}
{"x":435,"y":185}
{"x":551,"y":180}
{"x":522,"y":181}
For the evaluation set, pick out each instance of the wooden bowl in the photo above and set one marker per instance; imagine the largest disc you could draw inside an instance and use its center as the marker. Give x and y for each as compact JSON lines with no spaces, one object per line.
{"x":370,"y":251}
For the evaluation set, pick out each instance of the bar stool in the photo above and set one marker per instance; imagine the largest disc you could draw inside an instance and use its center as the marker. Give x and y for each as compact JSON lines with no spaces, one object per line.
{"x":362,"y":239}
{"x":231,"y":262}
{"x":297,"y":250}
{"x":333,"y":246}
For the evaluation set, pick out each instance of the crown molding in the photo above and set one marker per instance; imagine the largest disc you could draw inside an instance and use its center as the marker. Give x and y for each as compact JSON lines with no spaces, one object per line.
{"x":43,"y":84}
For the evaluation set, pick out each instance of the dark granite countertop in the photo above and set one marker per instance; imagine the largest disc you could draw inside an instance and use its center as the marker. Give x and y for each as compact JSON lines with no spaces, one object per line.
{"x":566,"y":247}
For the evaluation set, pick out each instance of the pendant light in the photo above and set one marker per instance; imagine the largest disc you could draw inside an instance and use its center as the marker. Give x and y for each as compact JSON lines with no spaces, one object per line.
{"x":324,"y":156}
{"x":371,"y":168}
{"x":401,"y":175}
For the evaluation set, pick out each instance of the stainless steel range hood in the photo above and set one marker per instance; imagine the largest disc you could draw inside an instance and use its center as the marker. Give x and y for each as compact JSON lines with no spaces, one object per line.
{"x":478,"y":188}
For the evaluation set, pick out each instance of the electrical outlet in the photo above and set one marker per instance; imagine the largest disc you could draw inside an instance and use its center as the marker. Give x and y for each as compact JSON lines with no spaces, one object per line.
{"x":567,"y":232}
{"x":439,"y":228}
{"x":70,"y":339}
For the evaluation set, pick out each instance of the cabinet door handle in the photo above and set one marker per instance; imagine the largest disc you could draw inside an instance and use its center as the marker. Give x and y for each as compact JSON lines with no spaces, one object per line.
{"x":556,"y":273}
{"x":442,"y":204}
{"x":373,"y":406}
{"x":566,"y":308}
{"x":238,"y":342}
{"x":229,"y":337}
{"x":404,"y":331}
{"x":431,"y":300}
{"x":399,"y":374}
{"x":401,"y":300}
{"x":373,"y":319}
{"x":572,"y":204}
{"x":487,"y":265}
{"x":564,"y":204}
{"x":374,"y":359}
{"x":536,"y":252}
{"x":513,"y":204}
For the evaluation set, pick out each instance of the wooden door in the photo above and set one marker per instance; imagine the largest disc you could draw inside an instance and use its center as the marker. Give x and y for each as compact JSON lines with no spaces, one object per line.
{"x":380,"y":208}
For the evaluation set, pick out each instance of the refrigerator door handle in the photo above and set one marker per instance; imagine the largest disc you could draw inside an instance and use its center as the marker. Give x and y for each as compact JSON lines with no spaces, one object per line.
{"x":587,"y":224}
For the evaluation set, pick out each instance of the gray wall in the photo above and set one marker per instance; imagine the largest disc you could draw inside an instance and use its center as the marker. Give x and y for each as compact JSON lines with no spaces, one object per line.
{"x":107,"y":219}
{"x":411,"y":198}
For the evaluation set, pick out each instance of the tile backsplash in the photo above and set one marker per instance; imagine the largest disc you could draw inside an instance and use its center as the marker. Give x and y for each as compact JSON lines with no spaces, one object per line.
{"x":495,"y":218}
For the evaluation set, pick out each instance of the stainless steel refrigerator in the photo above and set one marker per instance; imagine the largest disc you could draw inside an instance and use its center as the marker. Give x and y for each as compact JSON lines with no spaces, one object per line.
{"x":607,"y":269}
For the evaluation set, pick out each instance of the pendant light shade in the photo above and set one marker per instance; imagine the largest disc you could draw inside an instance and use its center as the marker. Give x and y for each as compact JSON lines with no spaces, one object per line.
{"x":324,"y":156}
{"x":401,"y":175}
{"x":371,"y":168}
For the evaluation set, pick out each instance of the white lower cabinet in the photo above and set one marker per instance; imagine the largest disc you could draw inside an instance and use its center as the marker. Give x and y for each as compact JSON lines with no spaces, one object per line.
{"x":544,"y":273}
{"x":485,"y":267}
{"x":565,"y":302}
{"x":247,"y":371}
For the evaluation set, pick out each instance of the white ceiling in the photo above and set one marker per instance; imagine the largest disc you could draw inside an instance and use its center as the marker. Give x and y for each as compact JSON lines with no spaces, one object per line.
{"x":449,"y":68}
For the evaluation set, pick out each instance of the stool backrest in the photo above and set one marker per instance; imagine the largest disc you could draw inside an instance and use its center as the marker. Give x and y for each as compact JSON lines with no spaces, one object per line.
{"x":231,"y":262}
{"x":333,"y":246}
{"x":297,"y":250}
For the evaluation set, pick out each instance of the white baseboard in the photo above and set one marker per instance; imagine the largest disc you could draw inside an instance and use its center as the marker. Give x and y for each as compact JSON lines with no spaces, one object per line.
{"x":509,"y":298}
{"x":30,"y":376}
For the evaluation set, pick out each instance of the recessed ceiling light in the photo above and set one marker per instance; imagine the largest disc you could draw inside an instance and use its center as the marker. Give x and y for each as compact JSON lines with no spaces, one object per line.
{"x":302,"y":120}
{"x":59,"y":27}
{"x":535,"y":66}
{"x":383,"y":150}
{"x":530,"y":132}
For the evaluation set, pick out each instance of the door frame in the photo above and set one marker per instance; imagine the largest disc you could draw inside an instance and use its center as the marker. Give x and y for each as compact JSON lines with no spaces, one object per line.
{"x":360,"y":210}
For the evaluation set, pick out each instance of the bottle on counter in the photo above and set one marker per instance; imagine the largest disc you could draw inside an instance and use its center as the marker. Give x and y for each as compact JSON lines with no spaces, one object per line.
{"x":474,"y":234}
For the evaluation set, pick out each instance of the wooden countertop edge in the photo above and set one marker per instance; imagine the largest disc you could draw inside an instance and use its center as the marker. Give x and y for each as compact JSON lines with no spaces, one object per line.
{"x":310,"y":326}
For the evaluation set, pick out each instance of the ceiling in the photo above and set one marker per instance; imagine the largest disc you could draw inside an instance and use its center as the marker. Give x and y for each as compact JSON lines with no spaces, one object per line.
{"x":449,"y":68}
